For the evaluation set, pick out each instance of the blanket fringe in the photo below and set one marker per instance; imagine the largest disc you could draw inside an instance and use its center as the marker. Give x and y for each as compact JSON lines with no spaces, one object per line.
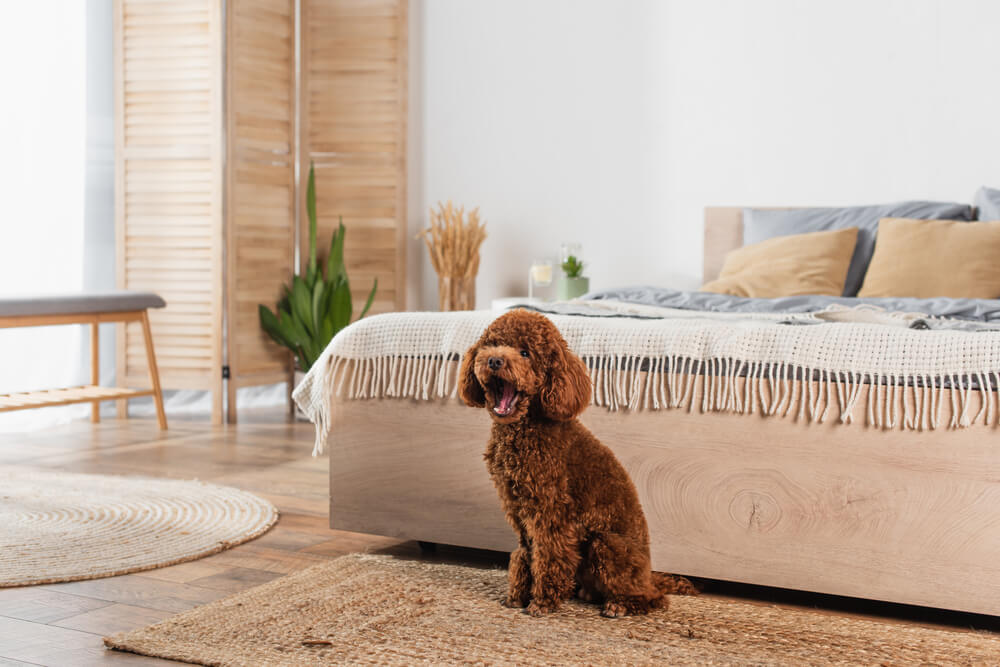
{"x":633,"y":383}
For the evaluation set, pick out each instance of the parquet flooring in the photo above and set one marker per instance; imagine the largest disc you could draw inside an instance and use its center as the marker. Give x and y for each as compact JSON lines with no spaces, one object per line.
{"x":62,"y":624}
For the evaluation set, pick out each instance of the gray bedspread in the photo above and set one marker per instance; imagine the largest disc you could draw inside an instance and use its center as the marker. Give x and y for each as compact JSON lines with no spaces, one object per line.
{"x":976,"y":310}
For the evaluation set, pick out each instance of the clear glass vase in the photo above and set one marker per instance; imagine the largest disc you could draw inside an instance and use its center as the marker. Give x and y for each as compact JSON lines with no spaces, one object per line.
{"x":456,"y":293}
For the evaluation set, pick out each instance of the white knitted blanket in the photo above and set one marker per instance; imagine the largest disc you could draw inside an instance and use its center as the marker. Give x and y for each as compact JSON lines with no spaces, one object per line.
{"x":691,"y":360}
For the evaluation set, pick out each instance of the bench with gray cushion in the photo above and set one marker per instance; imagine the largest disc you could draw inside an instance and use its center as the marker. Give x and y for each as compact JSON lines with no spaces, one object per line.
{"x":93,"y":308}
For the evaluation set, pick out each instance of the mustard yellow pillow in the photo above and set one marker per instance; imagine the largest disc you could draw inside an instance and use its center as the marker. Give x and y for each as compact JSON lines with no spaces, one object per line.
{"x":928,"y":258}
{"x":814,"y":263}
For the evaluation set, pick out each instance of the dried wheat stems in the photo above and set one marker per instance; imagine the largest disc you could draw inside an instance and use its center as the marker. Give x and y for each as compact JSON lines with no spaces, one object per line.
{"x":453,"y":240}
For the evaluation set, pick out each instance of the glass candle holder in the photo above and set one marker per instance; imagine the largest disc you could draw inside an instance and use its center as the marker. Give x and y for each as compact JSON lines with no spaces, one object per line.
{"x":539,"y":275}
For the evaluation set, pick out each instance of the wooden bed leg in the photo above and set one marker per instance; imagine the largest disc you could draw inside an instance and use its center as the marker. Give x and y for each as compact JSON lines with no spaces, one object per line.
{"x":95,"y":369}
{"x":154,"y":373}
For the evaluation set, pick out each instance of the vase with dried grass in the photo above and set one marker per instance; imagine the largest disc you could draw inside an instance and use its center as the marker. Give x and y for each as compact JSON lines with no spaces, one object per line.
{"x":453,"y":240}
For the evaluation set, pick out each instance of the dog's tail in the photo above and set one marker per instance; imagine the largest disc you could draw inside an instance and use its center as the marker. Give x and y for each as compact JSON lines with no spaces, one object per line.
{"x":672,"y":584}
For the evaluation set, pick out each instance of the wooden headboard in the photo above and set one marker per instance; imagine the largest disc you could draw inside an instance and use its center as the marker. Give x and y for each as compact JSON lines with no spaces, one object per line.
{"x":723,"y":232}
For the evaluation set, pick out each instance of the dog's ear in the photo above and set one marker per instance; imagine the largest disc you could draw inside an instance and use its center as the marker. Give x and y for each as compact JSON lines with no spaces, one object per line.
{"x":567,"y":392}
{"x":468,"y":385}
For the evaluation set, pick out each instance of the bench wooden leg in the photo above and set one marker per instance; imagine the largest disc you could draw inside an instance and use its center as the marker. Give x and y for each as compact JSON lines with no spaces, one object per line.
{"x":154,"y":373}
{"x":95,"y":369}
{"x":122,"y":405}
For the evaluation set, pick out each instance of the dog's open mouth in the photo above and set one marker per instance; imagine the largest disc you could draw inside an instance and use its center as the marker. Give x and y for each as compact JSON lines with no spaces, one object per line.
{"x":506,"y":395}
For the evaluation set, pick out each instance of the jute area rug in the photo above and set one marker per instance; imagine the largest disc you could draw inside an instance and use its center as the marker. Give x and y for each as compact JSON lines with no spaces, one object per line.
{"x":365,"y":609}
{"x":58,"y":526}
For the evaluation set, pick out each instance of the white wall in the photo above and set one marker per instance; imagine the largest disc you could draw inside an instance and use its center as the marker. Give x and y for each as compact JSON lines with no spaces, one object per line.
{"x":614,"y":123}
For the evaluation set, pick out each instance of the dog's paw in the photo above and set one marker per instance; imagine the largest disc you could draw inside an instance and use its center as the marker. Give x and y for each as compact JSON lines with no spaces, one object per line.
{"x":514,"y":602}
{"x":614,"y":610}
{"x":535,"y":609}
{"x":586,"y":595}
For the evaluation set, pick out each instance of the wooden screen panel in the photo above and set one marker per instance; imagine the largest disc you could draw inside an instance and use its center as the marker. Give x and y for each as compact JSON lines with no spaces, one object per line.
{"x":168,"y":185}
{"x":260,"y":218}
{"x":354,"y":101}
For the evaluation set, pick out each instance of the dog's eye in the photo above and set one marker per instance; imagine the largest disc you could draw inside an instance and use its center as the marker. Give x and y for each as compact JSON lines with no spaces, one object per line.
{"x":524,"y":353}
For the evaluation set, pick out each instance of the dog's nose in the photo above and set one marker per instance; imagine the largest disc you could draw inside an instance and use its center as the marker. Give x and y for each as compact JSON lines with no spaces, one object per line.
{"x":495,"y":363}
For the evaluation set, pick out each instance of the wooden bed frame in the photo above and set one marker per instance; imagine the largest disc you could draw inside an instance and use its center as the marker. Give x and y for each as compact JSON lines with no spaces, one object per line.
{"x":902,"y":516}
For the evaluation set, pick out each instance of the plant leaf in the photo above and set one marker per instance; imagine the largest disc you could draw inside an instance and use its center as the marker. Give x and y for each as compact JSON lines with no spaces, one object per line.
{"x":335,"y":260}
{"x":325,"y":332}
{"x":302,"y":304}
{"x":269,"y":322}
{"x":291,"y":328}
{"x":328,"y":298}
{"x":371,"y":298}
{"x":318,"y":292}
{"x":309,"y":353}
{"x":340,"y":314}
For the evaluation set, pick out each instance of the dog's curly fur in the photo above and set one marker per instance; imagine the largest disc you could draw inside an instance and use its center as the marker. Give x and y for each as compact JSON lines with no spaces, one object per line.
{"x":576,"y":512}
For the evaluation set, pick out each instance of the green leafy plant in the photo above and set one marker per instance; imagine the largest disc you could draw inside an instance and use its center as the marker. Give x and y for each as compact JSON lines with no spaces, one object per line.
{"x":572,"y":266}
{"x":316,"y":306}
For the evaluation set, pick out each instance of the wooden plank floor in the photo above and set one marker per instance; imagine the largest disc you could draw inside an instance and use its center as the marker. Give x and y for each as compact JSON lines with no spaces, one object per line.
{"x":62,"y":624}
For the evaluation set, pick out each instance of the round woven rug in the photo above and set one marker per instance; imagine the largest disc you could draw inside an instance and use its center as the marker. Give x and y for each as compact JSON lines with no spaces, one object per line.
{"x":65,"y":527}
{"x":377,"y":610}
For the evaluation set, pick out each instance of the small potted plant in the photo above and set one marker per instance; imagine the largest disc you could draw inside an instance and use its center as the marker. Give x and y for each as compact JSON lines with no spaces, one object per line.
{"x":315,"y":307}
{"x":573,"y":283}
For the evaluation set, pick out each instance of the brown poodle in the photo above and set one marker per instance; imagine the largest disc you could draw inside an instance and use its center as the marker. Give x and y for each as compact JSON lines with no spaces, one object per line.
{"x":576,"y":512}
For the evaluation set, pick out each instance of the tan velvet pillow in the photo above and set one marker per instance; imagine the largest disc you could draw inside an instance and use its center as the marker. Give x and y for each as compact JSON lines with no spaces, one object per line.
{"x":928,"y":258}
{"x":814,"y":263}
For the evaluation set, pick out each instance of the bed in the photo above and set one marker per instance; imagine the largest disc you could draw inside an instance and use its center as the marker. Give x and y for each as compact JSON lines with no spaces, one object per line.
{"x":880,"y":503}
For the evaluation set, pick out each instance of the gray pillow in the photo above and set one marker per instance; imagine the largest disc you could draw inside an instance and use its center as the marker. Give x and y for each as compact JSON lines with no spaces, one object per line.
{"x":762,"y":224}
{"x":987,"y":204}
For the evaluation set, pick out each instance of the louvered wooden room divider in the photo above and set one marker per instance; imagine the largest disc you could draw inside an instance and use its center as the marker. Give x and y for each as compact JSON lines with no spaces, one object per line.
{"x":168,"y":189}
{"x":260,"y":184}
{"x":207,"y":109}
{"x":354,"y":92}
